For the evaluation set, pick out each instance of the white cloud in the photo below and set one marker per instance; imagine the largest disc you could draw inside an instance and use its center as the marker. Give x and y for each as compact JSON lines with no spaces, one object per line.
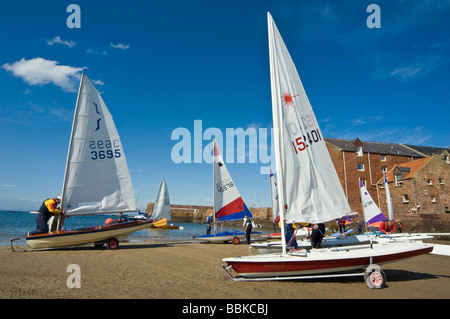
{"x":97,"y":52}
{"x":120,"y":46}
{"x":420,"y":67}
{"x":98,"y":82}
{"x":58,"y":40}
{"x":39,"y":71}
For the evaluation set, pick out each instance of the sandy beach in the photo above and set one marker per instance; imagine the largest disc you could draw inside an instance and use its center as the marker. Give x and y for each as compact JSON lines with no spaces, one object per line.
{"x":192,"y":271}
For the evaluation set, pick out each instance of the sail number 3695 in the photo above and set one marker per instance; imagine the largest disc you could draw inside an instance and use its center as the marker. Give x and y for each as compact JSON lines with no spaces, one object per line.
{"x":102,"y":149}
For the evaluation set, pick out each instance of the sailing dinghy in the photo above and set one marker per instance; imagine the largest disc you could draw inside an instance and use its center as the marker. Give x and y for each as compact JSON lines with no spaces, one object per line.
{"x":96,"y":179}
{"x":373,"y":217}
{"x":162,"y":211}
{"x":228,"y":203}
{"x":309,"y":189}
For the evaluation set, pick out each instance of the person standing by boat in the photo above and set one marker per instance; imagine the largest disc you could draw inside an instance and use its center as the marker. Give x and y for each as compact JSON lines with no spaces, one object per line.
{"x":48,"y":209}
{"x":387,"y":227}
{"x":248,"y":228}
{"x":341,"y":224}
{"x":358,"y":224}
{"x":317,"y":234}
{"x":208,"y":224}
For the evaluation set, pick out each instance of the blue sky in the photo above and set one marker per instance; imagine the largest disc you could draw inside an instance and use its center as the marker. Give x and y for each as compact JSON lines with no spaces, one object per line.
{"x":160,"y":65}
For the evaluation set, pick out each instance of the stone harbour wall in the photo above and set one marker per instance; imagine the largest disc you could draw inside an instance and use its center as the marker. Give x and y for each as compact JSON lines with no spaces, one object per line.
{"x":414,"y":222}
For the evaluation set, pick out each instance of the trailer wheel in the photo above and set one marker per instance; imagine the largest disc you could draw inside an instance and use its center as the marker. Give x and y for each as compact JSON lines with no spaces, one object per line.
{"x":112,"y":243}
{"x":236,"y":240}
{"x":375,"y":277}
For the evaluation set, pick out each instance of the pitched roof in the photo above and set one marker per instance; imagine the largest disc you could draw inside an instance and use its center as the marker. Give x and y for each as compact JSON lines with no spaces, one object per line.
{"x":374,"y":147}
{"x":429,"y":150}
{"x":410,"y":168}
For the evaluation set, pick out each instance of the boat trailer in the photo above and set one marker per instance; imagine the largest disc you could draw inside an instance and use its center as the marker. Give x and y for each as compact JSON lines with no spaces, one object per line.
{"x":374,"y":277}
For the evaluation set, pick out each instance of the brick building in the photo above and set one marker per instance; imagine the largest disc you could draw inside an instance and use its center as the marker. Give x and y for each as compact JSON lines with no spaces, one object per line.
{"x":420,"y":193}
{"x":356,"y":159}
{"x":367,"y":161}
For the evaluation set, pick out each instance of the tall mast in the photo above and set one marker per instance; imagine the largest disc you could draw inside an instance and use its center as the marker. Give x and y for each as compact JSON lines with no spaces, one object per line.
{"x":61,"y":219}
{"x":214,"y":190}
{"x":277,"y":131}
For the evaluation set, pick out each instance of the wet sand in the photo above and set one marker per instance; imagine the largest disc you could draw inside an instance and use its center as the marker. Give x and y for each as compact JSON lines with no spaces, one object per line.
{"x":192,"y":271}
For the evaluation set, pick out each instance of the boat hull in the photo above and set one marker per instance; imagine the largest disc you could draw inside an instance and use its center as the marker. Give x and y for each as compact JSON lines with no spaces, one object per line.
{"x":225,"y":236}
{"x":327,"y":242}
{"x":166,"y":227}
{"x":341,"y":241}
{"x":64,"y":238}
{"x":321,"y":261}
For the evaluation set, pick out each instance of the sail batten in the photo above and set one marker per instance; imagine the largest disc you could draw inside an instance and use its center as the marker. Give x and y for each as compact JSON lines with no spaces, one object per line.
{"x":97,"y":179}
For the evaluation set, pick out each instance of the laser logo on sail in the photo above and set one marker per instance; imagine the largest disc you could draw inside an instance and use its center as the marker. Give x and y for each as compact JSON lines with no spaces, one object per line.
{"x":287,"y":98}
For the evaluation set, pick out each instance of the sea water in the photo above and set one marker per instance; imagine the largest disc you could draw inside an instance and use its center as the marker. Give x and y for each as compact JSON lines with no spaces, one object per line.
{"x":16,"y":224}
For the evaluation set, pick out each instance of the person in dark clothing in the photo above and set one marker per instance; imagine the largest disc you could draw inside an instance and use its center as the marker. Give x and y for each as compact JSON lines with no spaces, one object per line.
{"x":47,"y":209}
{"x":317,"y":234}
{"x":209,"y":221}
{"x":289,"y":236}
{"x":122,"y":218}
{"x":341,"y":223}
{"x":248,"y":228}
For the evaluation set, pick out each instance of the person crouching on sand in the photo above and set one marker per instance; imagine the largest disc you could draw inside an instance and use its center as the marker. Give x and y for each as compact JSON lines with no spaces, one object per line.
{"x":47,"y":210}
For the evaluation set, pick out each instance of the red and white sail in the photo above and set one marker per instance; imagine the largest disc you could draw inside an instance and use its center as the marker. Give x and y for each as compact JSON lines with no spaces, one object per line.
{"x":228,"y":203}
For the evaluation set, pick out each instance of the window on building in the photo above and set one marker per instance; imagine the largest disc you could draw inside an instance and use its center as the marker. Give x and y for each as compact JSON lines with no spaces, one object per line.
{"x":447,"y":159}
{"x":398,"y":180}
{"x":433,"y":199}
{"x":364,"y":182}
{"x":384,"y":169}
{"x":359,"y":151}
{"x":430,"y":182}
{"x":360,"y":166}
{"x":405,"y":198}
{"x":441,"y":181}
{"x":383,"y":158}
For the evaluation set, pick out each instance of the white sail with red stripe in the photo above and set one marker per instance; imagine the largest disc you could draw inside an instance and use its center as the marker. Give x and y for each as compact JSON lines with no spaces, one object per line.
{"x":228,"y":203}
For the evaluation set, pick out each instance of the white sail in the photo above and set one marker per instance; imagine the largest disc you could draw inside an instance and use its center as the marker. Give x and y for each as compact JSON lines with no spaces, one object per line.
{"x":228,"y":203}
{"x":162,"y":204}
{"x":308,"y":183}
{"x":388,"y":199}
{"x":372,"y":213}
{"x":274,"y":196}
{"x":97,"y":179}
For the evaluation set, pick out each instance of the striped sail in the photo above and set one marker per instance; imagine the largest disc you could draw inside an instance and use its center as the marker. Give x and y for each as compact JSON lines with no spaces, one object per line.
{"x":372,"y":214}
{"x":228,"y":203}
